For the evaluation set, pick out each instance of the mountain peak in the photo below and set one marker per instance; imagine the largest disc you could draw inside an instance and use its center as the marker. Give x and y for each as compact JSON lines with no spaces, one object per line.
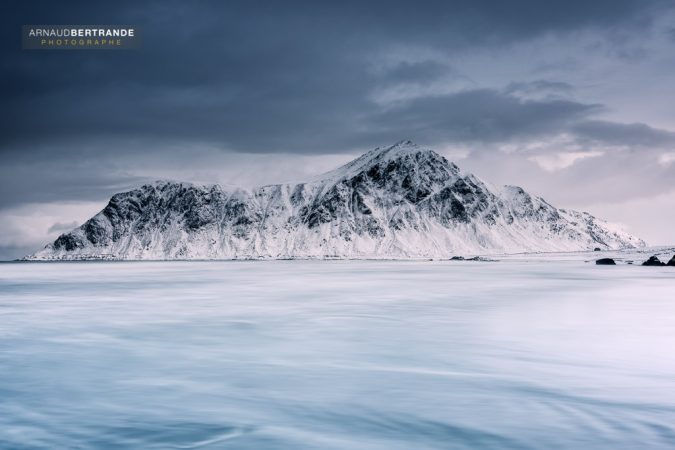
{"x":405,"y":143}
{"x":404,"y":146}
{"x":411,"y":153}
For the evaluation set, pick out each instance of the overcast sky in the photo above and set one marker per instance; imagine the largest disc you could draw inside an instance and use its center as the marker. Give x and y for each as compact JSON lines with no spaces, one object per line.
{"x":573,"y":101}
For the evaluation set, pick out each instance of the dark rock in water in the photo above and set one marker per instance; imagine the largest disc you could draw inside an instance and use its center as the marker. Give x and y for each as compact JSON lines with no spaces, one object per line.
{"x":474,"y":258}
{"x":671,"y":262}
{"x":605,"y":262}
{"x":597,"y":249}
{"x":480,"y":258}
{"x":653,"y":261}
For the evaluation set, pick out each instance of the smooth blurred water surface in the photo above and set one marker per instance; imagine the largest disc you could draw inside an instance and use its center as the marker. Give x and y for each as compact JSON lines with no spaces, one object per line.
{"x":336,"y":355}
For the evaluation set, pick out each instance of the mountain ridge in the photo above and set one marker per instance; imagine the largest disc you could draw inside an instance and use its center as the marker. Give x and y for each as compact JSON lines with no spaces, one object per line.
{"x":400,"y":201}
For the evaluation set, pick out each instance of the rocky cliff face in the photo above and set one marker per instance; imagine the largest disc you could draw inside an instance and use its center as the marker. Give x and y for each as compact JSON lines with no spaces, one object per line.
{"x":396,"y":202}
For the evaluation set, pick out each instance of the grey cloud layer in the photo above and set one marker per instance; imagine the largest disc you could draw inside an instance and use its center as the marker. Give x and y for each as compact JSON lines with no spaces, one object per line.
{"x":285,"y":76}
{"x":629,"y":135}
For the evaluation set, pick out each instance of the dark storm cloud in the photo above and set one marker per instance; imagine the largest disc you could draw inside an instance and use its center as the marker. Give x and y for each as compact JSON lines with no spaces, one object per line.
{"x":630,"y":135}
{"x":287,"y":76}
{"x":28,"y":178}
{"x":466,"y":116}
{"x":482,"y":115}
{"x":539,"y":86}
{"x":425,"y":71}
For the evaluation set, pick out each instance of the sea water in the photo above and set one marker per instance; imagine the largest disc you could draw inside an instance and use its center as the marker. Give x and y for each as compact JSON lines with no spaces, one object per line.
{"x":336,"y":355}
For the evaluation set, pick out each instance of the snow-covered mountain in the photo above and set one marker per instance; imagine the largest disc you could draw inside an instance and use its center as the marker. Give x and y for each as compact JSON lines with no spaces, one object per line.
{"x":401,"y":201}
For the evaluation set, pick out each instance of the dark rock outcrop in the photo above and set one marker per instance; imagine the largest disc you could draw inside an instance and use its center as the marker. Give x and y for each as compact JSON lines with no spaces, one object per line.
{"x":473,"y":258}
{"x":671,"y":262}
{"x":653,"y":261}
{"x":605,"y":262}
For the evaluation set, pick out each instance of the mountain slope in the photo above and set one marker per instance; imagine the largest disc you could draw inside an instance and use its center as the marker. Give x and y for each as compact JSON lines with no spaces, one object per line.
{"x":396,"y":202}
